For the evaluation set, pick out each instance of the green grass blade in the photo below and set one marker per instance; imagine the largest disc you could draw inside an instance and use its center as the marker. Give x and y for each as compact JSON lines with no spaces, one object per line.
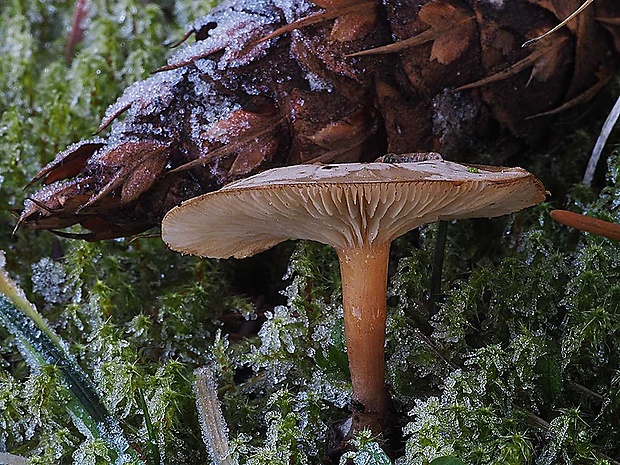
{"x":41,"y":346}
{"x":153,"y":449}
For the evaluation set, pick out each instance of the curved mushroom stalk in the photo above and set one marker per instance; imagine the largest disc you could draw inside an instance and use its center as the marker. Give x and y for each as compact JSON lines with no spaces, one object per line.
{"x":358,"y":209}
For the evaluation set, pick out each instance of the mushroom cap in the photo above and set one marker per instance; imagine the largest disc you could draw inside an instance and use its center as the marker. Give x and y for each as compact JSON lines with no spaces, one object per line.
{"x":343,"y":205}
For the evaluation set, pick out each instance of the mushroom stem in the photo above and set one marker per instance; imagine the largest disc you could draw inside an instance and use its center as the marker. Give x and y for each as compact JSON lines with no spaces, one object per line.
{"x":364,"y":287}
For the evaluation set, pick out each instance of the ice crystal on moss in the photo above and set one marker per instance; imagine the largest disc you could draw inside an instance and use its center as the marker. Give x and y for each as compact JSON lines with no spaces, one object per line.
{"x":367,"y":451}
{"x":567,"y":435}
{"x":17,"y":48}
{"x":427,"y":436}
{"x":92,"y":452}
{"x":278,"y":337}
{"x":14,"y":420}
{"x":50,"y":280}
{"x":292,"y":433}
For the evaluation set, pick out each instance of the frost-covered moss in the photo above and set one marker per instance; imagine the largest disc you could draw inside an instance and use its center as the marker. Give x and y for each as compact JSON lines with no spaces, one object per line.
{"x":517,"y":364}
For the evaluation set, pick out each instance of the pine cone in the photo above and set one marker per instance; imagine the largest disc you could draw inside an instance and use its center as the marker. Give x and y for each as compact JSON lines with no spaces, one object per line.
{"x":280,"y":82}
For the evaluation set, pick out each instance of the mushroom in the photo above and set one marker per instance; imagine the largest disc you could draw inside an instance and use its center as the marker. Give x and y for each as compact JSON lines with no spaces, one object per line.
{"x":359,"y":209}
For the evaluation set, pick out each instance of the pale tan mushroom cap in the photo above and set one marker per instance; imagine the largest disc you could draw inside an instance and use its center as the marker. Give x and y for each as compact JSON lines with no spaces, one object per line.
{"x":345,"y":205}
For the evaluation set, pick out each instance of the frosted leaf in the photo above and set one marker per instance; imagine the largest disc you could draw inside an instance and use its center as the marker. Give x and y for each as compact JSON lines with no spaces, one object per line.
{"x":204,"y":121}
{"x":11,"y":393}
{"x":292,"y":291}
{"x":368,"y":452}
{"x":317,"y":83}
{"x":450,"y":322}
{"x":322,"y":334}
{"x":495,"y":3}
{"x":202,"y":90}
{"x":113,"y":436}
{"x":372,"y":454}
{"x":152,"y":95}
{"x":237,"y":25}
{"x":331,"y":321}
{"x":81,"y":426}
{"x":293,"y":429}
{"x":557,"y":434}
{"x":526,"y":351}
{"x":116,"y":379}
{"x":109,"y":436}
{"x":90,"y":451}
{"x":293,"y":10}
{"x":37,"y":353}
{"x":453,"y":112}
{"x":275,"y":369}
{"x":428,"y":439}
{"x":206,"y":66}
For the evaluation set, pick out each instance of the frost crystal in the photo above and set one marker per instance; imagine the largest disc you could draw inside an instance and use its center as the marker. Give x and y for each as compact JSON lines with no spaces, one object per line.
{"x":236,"y":25}
{"x":316,"y":83}
{"x":293,"y":10}
{"x":149,"y":96}
{"x":50,"y":280}
{"x":496,"y":3}
{"x":280,"y":331}
{"x":91,"y":452}
{"x":454,"y":111}
{"x":368,"y":452}
{"x":336,"y":392}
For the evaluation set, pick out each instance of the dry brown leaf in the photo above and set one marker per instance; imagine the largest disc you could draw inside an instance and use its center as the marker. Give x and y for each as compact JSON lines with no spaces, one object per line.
{"x":603,"y":76}
{"x":354,"y":26}
{"x":451,"y":29}
{"x":454,"y":28}
{"x":548,"y":64}
{"x":545,"y":59}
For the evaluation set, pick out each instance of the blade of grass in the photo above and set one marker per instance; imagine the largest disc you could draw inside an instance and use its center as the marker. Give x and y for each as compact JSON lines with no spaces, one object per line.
{"x":41,"y":346}
{"x":153,"y":448}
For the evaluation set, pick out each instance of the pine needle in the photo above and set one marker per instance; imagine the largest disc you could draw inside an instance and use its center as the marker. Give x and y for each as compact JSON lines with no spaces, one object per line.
{"x":608,"y":126}
{"x":559,"y":26}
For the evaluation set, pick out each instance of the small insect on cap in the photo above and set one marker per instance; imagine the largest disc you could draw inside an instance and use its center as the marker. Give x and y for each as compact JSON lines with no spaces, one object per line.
{"x":343,"y":205}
